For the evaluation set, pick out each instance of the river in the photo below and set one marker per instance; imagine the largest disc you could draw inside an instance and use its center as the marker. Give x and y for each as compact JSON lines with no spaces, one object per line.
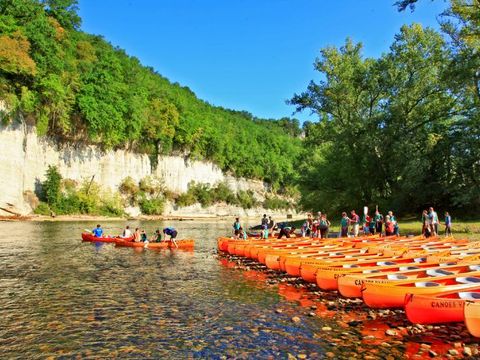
{"x":59,"y":296}
{"x":62,"y":298}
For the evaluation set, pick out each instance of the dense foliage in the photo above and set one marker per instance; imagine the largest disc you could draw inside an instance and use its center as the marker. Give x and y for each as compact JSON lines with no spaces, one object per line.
{"x":76,"y":86}
{"x":401,"y":131}
{"x":65,"y":197}
{"x":207,"y":195}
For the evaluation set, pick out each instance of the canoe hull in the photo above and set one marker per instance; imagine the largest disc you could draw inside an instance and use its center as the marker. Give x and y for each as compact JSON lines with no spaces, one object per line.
{"x":421,"y":309}
{"x":182,"y":244}
{"x":90,"y":238}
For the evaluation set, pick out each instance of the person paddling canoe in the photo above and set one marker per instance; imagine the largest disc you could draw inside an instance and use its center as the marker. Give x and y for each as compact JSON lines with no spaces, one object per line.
{"x":170,"y":231}
{"x":98,"y":231}
{"x":157,"y":236}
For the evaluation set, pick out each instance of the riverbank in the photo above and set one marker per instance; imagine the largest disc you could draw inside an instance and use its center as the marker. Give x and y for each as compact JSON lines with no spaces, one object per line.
{"x":200,"y":218}
{"x":351,"y":328}
{"x":468,"y":229}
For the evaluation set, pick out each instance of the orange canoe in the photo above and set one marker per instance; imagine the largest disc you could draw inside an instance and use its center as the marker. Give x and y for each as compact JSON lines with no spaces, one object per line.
{"x":439,"y":308}
{"x":182,"y":244}
{"x":350,"y":284}
{"x":106,"y":239}
{"x":472,"y":317}
{"x":392,"y":295}
{"x":274,"y":260}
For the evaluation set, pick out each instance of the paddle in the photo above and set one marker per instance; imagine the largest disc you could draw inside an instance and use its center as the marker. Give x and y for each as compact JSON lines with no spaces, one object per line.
{"x":174,"y":242}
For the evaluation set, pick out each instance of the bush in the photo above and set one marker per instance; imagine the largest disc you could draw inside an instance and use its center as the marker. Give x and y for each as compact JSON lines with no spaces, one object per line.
{"x":202,"y":193}
{"x":112,"y":205}
{"x":246,"y":199}
{"x":169,"y":195}
{"x":152,"y":206}
{"x":130,"y":189}
{"x":186,"y":199}
{"x":152,"y":185}
{"x":276,"y":203}
{"x":42,"y":209}
{"x":221,"y":192}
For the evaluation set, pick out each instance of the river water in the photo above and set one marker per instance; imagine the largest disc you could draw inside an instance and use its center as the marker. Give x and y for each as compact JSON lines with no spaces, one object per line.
{"x":62,"y":298}
{"x":59,"y":296}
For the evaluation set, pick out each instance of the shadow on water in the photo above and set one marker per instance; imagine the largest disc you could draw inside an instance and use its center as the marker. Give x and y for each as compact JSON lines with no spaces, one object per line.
{"x":61,"y":297}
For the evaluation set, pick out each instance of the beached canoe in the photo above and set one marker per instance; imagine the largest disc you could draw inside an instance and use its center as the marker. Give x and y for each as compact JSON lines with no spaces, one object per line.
{"x":350,"y":284}
{"x":309,"y":268}
{"x":471,"y":314}
{"x":182,"y":244}
{"x":439,"y":308}
{"x":392,"y":295}
{"x":107,"y":239}
{"x":327,"y":276}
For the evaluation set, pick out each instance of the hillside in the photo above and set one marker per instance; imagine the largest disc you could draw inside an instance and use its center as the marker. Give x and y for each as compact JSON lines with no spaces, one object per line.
{"x":77,"y":87}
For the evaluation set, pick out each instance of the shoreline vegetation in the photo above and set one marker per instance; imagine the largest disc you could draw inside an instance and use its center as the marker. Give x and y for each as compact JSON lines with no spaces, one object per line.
{"x":149,"y":197}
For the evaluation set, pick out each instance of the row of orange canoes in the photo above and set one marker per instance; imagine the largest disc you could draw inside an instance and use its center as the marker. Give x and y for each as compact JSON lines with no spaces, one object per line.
{"x":436,"y":280}
{"x":128,"y":242}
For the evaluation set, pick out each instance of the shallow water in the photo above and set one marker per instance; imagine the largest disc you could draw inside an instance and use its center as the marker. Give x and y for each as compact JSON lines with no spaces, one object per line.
{"x":62,"y":297}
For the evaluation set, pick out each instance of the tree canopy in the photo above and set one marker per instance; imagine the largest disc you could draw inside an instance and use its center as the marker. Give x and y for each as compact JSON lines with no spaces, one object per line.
{"x":400,"y":131}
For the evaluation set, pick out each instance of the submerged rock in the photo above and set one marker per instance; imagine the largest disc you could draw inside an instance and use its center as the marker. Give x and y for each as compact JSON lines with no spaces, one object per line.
{"x":296,"y":319}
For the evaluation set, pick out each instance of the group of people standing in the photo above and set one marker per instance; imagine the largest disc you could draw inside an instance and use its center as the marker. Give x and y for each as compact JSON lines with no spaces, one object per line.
{"x":316,"y":227}
{"x":430,"y":223}
{"x":320,"y":226}
{"x":267,"y":226}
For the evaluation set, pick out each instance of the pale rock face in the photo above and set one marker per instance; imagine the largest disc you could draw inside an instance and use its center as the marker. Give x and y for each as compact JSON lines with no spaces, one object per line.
{"x":25,"y":157}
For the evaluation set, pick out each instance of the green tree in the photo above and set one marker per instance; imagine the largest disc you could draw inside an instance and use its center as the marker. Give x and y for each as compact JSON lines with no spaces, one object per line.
{"x":383,"y":125}
{"x":51,"y":187}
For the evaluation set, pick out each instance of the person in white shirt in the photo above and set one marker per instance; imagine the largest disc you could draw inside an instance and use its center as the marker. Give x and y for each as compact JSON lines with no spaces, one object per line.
{"x":127,"y":232}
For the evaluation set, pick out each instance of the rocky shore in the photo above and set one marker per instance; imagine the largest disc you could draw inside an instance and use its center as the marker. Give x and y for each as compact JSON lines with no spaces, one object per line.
{"x":355,"y":331}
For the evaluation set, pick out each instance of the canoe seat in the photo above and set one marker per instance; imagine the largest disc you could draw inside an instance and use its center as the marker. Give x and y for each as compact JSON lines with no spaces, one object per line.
{"x":467,"y":295}
{"x":438,"y":272}
{"x":419,"y":260}
{"x":385,"y":263}
{"x":426,"y":284}
{"x":372,"y":271}
{"x":335,"y":254}
{"x":350,"y":266}
{"x":406,"y":268}
{"x":474,"y":267}
{"x":448,"y":263}
{"x":468,"y":280}
{"x":396,"y":277}
{"x":348,"y":256}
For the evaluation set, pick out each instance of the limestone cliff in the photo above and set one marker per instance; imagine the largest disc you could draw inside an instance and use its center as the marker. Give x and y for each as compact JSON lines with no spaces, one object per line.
{"x":25,"y":157}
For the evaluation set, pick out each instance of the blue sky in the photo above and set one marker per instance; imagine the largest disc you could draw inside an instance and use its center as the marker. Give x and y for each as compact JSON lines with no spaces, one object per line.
{"x":246,"y":54}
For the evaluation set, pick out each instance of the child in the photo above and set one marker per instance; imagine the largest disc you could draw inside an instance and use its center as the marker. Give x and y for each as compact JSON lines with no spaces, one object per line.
{"x":344,"y":225}
{"x":448,"y":224}
{"x":265,"y":231}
